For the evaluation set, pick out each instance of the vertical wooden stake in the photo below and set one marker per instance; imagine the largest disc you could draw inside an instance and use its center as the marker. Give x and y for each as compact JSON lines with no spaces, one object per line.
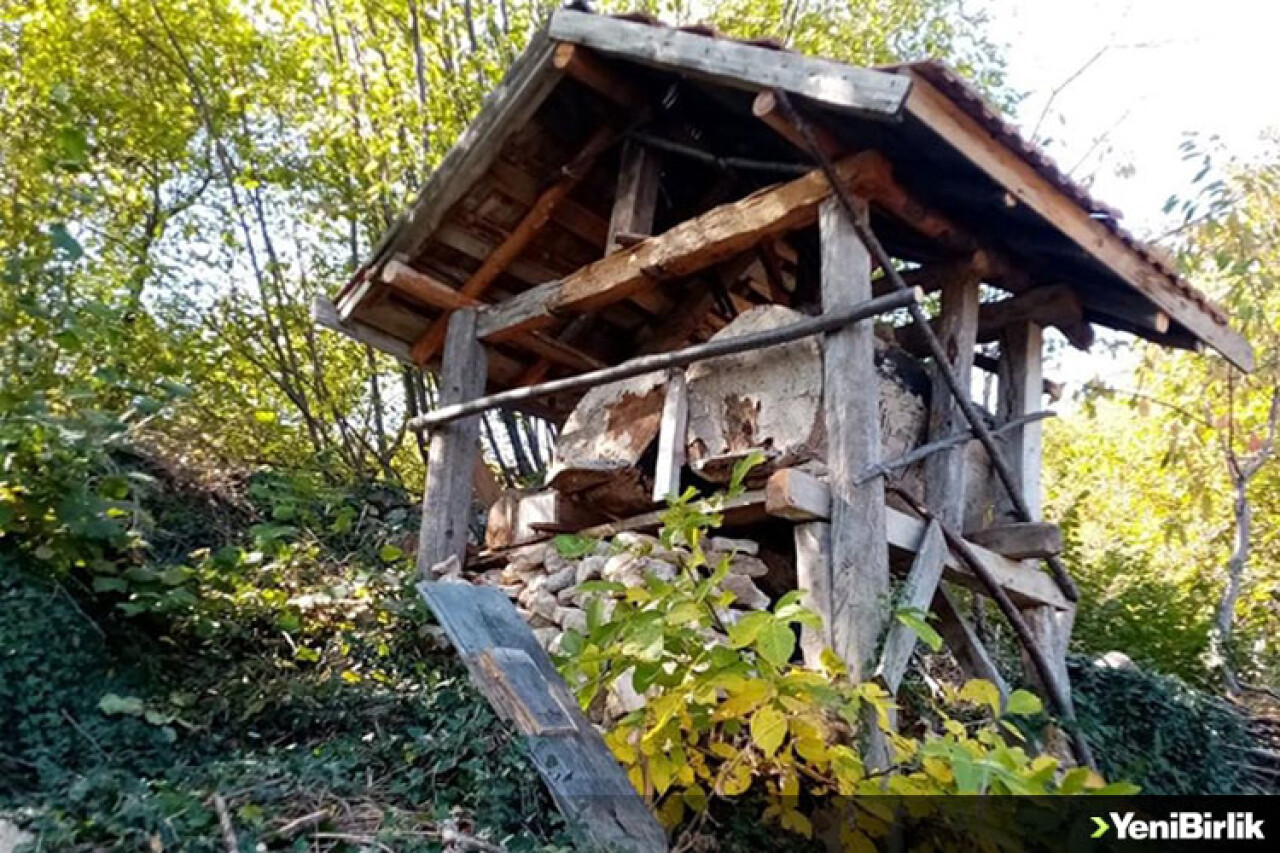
{"x":455,"y":447}
{"x":958,"y":333}
{"x":813,"y":575}
{"x":859,"y":548}
{"x":672,"y":436}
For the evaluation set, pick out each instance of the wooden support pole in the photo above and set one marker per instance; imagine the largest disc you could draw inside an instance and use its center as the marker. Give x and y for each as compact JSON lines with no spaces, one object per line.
{"x":446,"y":505}
{"x":957,"y":329}
{"x":672,"y":435}
{"x":859,"y":549}
{"x":636,"y":199}
{"x":963,"y":641}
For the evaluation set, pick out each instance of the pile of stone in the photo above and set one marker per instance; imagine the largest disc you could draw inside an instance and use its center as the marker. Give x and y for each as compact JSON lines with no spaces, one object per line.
{"x":544,"y":584}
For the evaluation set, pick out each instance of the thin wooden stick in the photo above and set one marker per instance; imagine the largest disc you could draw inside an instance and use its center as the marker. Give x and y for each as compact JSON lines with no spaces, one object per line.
{"x":971,"y":414}
{"x":677,"y":358}
{"x":924,"y":450}
{"x":229,"y":840}
{"x":1059,"y":694}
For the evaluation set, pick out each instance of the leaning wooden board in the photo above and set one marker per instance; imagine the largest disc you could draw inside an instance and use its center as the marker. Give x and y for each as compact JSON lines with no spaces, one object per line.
{"x":517,"y":677}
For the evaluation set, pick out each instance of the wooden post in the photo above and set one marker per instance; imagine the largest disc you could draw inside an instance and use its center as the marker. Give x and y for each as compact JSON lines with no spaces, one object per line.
{"x":958,"y":333}
{"x":637,"y":196}
{"x":1021,"y":381}
{"x":446,"y":505}
{"x":859,"y":547}
{"x":672,"y":435}
{"x":813,"y":575}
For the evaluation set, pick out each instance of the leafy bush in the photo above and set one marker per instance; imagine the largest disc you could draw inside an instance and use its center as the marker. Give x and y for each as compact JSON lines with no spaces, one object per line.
{"x":728,"y":713}
{"x":1154,"y":729}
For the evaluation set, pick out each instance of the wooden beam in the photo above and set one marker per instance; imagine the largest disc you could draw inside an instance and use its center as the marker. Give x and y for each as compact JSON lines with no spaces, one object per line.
{"x":529,"y":227}
{"x":519,"y":680}
{"x":1021,"y":378}
{"x":446,"y":503}
{"x":916,"y":594}
{"x":874,"y":94}
{"x":859,"y":550}
{"x":941,"y":115}
{"x":1020,"y":540}
{"x":1056,"y":305}
{"x":687,"y":248}
{"x":579,"y":63}
{"x":672,"y":435}
{"x":957,"y":329}
{"x":430,"y":290}
{"x":797,"y":496}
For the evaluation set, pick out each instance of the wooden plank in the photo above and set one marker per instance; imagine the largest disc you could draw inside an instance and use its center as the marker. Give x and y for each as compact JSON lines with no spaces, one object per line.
{"x":636,"y":199}
{"x":683,"y":250}
{"x":516,"y":518}
{"x":859,"y":550}
{"x":672,"y":437}
{"x":797,"y":496}
{"x":1020,"y":540}
{"x":528,"y":228}
{"x":941,"y":115}
{"x":873,"y":94}
{"x":963,"y":641}
{"x":446,"y":504}
{"x":813,"y":575}
{"x":957,"y":327}
{"x":916,"y":594}
{"x":518,"y":678}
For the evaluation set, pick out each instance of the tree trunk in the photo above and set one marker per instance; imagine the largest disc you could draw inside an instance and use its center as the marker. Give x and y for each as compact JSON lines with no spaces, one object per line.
{"x":1220,"y":643}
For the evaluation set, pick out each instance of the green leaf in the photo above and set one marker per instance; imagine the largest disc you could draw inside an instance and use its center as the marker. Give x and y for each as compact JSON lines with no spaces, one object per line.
{"x":768,"y":728}
{"x":264,"y":417}
{"x":572,"y":547}
{"x":911,"y":617}
{"x":744,"y":632}
{"x":776,"y":642}
{"x":389,"y":553}
{"x":114,"y":705}
{"x":1023,"y":702}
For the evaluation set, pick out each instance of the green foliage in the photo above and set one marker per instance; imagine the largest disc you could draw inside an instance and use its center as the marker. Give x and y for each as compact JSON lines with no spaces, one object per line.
{"x":728,"y":714}
{"x":1154,"y":729}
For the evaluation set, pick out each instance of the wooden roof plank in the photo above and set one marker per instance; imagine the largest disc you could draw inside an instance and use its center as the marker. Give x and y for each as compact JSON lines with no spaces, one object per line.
{"x":873,"y":94}
{"x":941,"y":115}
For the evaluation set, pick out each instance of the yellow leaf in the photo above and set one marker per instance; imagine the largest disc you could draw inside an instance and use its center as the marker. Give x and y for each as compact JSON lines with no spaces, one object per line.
{"x":768,"y":728}
{"x":982,"y":692}
{"x":671,"y":812}
{"x":736,"y":780}
{"x":797,"y":822}
{"x":661,"y":771}
{"x":856,"y":842}
{"x":722,"y":750}
{"x":746,"y":699}
{"x":636,"y":776}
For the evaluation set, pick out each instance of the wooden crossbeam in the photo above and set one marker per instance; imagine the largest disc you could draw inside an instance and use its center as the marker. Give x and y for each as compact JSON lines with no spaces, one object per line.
{"x":797,"y":496}
{"x":685,"y":249}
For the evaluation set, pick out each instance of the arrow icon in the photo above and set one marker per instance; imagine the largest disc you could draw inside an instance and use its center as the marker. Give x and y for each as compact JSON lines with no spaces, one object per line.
{"x":1102,"y":825}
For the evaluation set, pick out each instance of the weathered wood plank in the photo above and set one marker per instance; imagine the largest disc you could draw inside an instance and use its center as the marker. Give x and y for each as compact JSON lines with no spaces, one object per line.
{"x":1021,"y":380}
{"x":636,"y":199}
{"x":1020,"y":540}
{"x":519,"y":680}
{"x":446,"y":504}
{"x":940,"y":114}
{"x":798,"y":496}
{"x":964,"y":643}
{"x":916,"y":594}
{"x":873,"y":94}
{"x":813,"y":575}
{"x":683,"y":250}
{"x":672,"y":437}
{"x":957,"y":328}
{"x":519,"y":517}
{"x":859,"y":549}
